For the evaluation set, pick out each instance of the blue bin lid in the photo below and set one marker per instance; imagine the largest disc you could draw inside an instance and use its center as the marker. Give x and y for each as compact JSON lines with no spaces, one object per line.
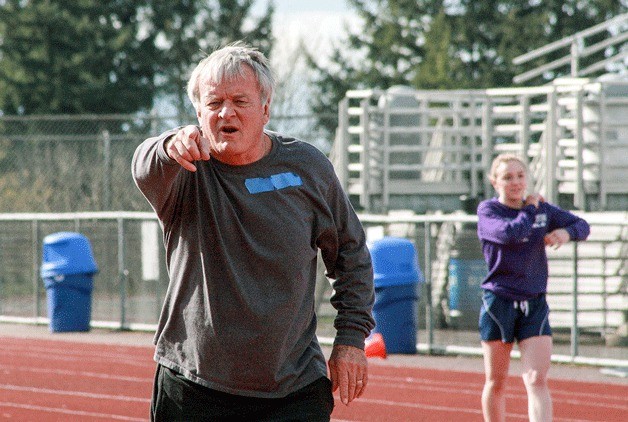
{"x":395,"y":262}
{"x":66,"y":253}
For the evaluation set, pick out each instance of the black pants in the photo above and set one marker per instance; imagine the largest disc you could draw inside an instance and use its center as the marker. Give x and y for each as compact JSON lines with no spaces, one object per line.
{"x":176,"y":398}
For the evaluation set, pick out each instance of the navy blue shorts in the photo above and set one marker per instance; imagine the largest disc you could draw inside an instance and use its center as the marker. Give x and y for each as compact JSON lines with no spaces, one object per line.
{"x":507,"y":320}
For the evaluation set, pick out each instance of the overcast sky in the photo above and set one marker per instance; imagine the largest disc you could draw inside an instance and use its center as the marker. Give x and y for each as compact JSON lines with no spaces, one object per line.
{"x":318,"y":22}
{"x":293,"y":6}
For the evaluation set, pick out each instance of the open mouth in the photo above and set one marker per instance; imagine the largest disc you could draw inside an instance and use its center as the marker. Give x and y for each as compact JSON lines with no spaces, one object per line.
{"x":229,"y":129}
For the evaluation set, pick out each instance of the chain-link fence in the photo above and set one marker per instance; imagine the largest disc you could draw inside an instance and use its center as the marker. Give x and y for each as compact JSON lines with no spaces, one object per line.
{"x":82,"y":163}
{"x":60,"y":164}
{"x":587,"y":292}
{"x":131,"y":280}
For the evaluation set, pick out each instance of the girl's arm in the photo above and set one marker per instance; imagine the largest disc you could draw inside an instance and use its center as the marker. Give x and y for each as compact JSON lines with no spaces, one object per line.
{"x":498,"y":229}
{"x":565,"y":226}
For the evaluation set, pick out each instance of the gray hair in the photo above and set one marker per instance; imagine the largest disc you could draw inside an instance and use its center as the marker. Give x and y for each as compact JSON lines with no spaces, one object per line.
{"x":229,"y":62}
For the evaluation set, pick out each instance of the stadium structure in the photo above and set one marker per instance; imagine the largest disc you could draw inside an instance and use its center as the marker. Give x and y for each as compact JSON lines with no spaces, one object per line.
{"x":404,"y":151}
{"x":424,"y":150}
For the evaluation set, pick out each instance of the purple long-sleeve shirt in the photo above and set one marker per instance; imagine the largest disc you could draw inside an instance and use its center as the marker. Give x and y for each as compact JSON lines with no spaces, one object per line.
{"x":513,"y":245}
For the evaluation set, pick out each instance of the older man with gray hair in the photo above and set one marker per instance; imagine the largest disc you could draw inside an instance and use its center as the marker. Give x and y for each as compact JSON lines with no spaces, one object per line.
{"x":244,"y":212}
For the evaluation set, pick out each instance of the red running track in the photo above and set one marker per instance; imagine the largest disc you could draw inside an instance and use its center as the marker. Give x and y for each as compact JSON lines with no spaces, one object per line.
{"x":49,"y":380}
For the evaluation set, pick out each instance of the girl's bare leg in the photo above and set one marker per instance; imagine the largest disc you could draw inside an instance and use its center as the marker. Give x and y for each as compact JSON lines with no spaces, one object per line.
{"x":496,"y":364}
{"x":536,"y":355}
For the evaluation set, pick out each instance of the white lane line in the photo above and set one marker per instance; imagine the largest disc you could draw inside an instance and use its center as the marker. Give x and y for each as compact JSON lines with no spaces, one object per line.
{"x":588,"y":403}
{"x":71,"y":412}
{"x":74,"y":349}
{"x":453,"y":388}
{"x":416,"y":380}
{"x":521,"y":389}
{"x":453,"y":409}
{"x":7,"y":369}
{"x":555,"y":419}
{"x":82,"y":394}
{"x":422,"y":406}
{"x":117,"y":359}
{"x":597,"y":396}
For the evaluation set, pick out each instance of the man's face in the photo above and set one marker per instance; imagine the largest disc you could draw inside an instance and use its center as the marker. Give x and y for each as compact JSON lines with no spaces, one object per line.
{"x":232,"y":117}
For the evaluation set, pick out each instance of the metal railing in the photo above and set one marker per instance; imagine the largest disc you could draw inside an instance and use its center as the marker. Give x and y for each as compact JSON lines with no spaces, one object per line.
{"x":406,"y":142}
{"x":616,"y":30}
{"x":128,"y":290}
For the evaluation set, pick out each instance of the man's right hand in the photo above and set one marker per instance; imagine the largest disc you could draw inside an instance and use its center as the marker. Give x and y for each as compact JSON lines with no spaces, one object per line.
{"x":188,"y":145}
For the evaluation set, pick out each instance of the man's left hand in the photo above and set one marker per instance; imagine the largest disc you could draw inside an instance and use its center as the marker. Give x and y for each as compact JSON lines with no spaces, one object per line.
{"x":348,"y":370}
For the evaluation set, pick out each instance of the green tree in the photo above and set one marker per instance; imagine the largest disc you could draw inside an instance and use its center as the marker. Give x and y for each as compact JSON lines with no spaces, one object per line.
{"x":112,"y":56}
{"x":490,"y":33}
{"x":446,"y":44}
{"x":187,"y":30}
{"x":66,"y":56}
{"x":434,"y":71}
{"x":383,"y":53}
{"x":100,"y":57}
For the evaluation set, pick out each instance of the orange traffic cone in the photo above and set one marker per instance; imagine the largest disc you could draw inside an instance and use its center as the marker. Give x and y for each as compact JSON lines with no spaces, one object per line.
{"x":375,"y":347}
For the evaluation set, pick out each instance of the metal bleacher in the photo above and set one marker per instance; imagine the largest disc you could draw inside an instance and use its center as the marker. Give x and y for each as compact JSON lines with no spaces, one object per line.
{"x":426,"y":150}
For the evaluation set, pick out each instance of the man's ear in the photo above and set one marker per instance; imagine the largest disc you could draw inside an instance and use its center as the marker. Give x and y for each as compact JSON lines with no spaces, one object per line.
{"x":266,"y":109}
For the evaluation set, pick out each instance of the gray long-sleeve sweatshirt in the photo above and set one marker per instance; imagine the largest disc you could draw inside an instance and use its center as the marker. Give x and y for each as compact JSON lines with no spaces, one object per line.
{"x":241,"y":247}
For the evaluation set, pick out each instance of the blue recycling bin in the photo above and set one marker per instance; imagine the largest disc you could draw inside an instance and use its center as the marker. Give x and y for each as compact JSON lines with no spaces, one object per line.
{"x":67,"y":269}
{"x":396,"y":277}
{"x":465,"y":289}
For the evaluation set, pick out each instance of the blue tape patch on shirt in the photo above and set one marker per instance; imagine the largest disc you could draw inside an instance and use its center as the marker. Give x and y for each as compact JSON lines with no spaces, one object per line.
{"x":274,"y":182}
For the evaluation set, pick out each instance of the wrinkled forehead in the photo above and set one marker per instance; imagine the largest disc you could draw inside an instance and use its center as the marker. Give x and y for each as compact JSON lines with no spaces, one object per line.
{"x":217,"y":79}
